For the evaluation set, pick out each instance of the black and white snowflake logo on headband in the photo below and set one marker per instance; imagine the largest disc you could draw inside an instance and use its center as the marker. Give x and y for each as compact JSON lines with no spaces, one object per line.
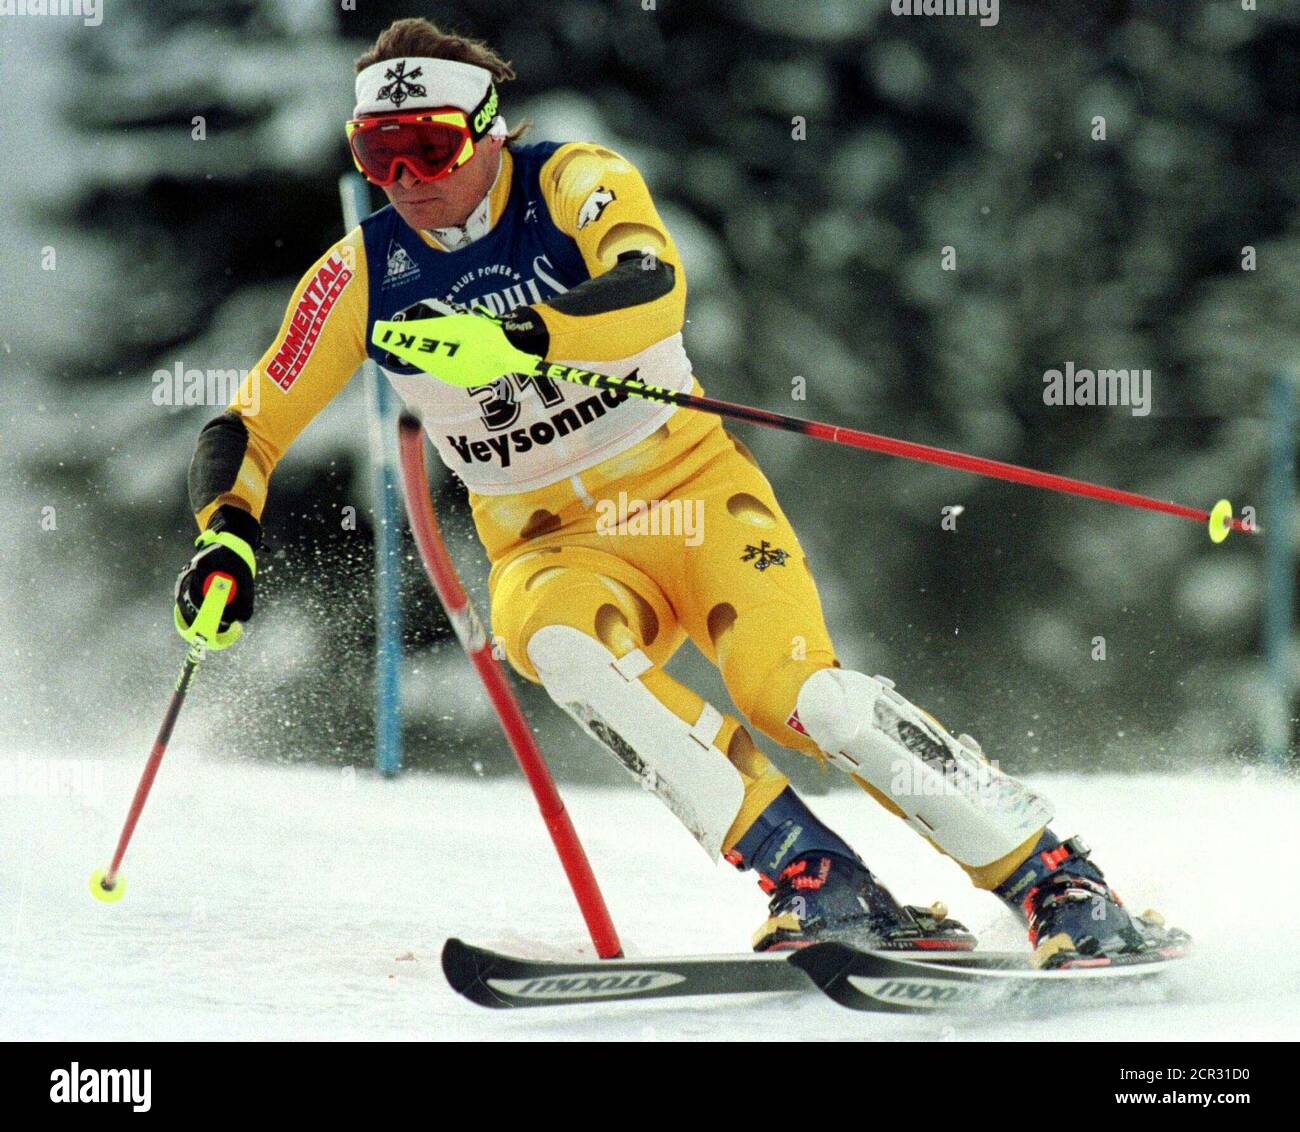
{"x":402,"y":87}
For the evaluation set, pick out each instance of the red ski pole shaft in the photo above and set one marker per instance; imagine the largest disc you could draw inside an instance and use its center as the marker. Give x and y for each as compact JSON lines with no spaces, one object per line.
{"x":205,"y":626}
{"x":855,"y":438}
{"x":474,"y":639}
{"x":151,"y":768}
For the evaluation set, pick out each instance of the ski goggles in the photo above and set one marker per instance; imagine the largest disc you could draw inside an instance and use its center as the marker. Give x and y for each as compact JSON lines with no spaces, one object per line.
{"x":431,"y":143}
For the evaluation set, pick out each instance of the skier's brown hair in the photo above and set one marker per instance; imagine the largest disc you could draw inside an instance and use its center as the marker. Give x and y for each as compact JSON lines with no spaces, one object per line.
{"x":420,"y":37}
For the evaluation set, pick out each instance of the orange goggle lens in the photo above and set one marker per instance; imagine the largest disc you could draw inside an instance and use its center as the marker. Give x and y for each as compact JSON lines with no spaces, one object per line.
{"x":431,"y":145}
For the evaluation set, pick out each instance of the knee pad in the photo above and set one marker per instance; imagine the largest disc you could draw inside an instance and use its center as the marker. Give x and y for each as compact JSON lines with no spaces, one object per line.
{"x":580,"y":588}
{"x":679,"y":762}
{"x":944,"y":787}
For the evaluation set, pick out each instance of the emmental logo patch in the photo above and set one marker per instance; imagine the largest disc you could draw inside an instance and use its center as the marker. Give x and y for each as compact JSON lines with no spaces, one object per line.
{"x":318,"y":298}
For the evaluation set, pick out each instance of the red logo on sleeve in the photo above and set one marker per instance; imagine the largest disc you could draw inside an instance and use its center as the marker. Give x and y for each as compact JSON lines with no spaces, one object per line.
{"x":305,"y":326}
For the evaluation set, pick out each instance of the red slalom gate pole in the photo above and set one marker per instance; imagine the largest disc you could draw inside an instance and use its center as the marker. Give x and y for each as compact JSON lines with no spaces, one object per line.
{"x":474,"y":639}
{"x":856,"y":438}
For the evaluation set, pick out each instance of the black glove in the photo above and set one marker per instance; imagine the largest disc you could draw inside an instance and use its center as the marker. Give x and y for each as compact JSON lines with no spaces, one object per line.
{"x":226,"y":547}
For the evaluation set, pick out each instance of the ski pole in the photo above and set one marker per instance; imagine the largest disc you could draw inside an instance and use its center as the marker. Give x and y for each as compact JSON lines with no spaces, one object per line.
{"x":412,"y":342}
{"x":1219,"y":519}
{"x":109,"y":885}
{"x":474,"y":639}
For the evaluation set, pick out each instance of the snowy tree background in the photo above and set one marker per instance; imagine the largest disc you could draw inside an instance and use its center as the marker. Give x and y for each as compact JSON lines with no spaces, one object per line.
{"x":132,"y":247}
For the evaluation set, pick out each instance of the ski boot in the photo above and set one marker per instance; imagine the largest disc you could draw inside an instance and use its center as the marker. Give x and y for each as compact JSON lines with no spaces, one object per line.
{"x":1074,"y":917}
{"x":824,"y":896}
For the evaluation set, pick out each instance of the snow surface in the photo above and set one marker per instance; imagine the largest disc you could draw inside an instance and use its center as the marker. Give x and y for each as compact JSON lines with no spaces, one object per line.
{"x":273,"y":902}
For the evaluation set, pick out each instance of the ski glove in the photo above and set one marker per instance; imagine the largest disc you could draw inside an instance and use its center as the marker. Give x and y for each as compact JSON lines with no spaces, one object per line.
{"x":465,"y":349}
{"x":226,"y":547}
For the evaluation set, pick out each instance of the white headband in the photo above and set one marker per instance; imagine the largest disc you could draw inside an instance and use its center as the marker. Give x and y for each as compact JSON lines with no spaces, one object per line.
{"x":416,"y":83}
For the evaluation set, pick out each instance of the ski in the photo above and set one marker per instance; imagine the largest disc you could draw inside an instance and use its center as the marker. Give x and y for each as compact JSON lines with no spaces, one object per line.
{"x":497,"y":981}
{"x":889,"y":982}
{"x":878,"y":981}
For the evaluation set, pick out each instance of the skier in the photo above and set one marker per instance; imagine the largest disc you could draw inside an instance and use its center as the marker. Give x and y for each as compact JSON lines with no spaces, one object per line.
{"x":556,"y":251}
